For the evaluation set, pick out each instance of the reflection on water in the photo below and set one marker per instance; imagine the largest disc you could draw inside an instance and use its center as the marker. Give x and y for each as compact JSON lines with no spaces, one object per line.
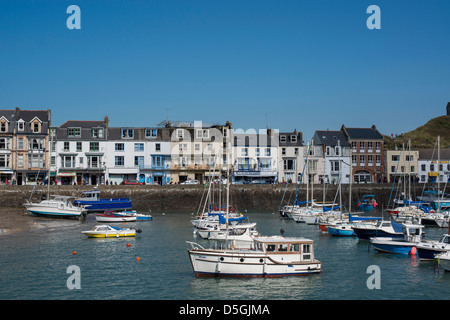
{"x":34,"y":266}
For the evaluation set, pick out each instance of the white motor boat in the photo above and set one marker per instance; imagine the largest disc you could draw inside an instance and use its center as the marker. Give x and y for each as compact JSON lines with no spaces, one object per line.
{"x":111,"y":216}
{"x":444,"y":260}
{"x":107,"y":231}
{"x":57,"y":207}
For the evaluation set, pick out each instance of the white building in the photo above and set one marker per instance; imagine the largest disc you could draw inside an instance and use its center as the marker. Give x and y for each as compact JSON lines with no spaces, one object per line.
{"x":78,"y":152}
{"x":335,"y":151}
{"x":429,"y":170}
{"x":291,"y":157}
{"x":255,"y":157}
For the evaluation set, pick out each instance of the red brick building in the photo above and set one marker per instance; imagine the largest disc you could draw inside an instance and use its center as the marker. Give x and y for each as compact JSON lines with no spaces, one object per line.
{"x":366,"y":153}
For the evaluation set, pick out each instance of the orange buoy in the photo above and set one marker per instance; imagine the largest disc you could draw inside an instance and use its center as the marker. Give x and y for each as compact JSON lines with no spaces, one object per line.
{"x":413,"y":251}
{"x":138,"y":259}
{"x":128,"y":244}
{"x":74,"y":252}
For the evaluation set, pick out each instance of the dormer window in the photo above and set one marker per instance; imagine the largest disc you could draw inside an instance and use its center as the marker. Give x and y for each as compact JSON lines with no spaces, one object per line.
{"x":74,"y":132}
{"x":20,"y":125}
{"x":282,"y":138}
{"x":127,"y":133}
{"x":293,"y":138}
{"x":3,"y":124}
{"x":35,"y":125}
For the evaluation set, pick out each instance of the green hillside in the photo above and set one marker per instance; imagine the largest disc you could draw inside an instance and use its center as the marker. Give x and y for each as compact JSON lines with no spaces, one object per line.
{"x":425,"y":136}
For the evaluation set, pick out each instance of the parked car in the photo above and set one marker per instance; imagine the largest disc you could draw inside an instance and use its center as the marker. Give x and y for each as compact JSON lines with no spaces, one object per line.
{"x":131,"y":182}
{"x":190,"y":182}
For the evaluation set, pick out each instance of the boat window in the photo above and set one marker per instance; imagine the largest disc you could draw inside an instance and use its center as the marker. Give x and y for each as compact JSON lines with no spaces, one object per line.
{"x":259,"y":246}
{"x":306,"y":248}
{"x":295,"y":247}
{"x":446,"y":239}
{"x":270,"y":247}
{"x":282,"y":247}
{"x":386,"y":224}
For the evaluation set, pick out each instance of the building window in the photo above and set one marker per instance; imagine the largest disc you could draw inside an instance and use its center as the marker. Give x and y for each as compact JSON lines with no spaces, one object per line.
{"x":257,"y":152}
{"x":74,"y":132}
{"x":378,"y":160}
{"x":119,"y":161}
{"x":138,"y":147}
{"x":21,"y":125}
{"x":283,"y":151}
{"x":36,"y":127}
{"x":424,"y":167}
{"x":4,"y":161}
{"x":157,"y":146}
{"x":36,"y":144}
{"x":378,"y":146}
{"x":362,"y":160}
{"x":244,"y":152}
{"x":293,"y":138}
{"x":180,"y":133}
{"x":79,"y":147}
{"x":97,"y":133}
{"x":36,"y":161}
{"x":119,"y":147}
{"x":20,"y":144}
{"x":334,"y":165}
{"x":139,"y":161}
{"x":354,"y":146}
{"x":289,"y":164}
{"x":282,"y":138}
{"x":267,"y":152}
{"x":66,"y":146}
{"x":20,"y":160}
{"x":151,"y":133}
{"x":264,"y":164}
{"x":370,"y":146}
{"x":3,"y":126}
{"x":127,"y":133}
{"x":353,"y":160}
{"x":296,"y":151}
{"x":68,"y":161}
{"x":93,"y":146}
{"x":202,"y":133}
{"x":4,"y":143}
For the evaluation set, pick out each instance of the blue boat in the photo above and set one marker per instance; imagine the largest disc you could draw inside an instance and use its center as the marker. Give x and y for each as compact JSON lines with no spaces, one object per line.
{"x":390,"y":229}
{"x":412,"y":235}
{"x":92,"y":202}
{"x":341,"y":229}
{"x":436,"y":199}
{"x":367,"y":203}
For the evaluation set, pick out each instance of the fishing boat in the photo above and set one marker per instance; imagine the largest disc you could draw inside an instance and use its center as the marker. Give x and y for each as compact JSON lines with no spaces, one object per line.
{"x":111,"y":216}
{"x":412,"y":235}
{"x":275,"y":256}
{"x":368,"y":203}
{"x":107,"y":231}
{"x":56,"y":207}
{"x":93,"y":203}
{"x":383,"y":228}
{"x":428,"y":249}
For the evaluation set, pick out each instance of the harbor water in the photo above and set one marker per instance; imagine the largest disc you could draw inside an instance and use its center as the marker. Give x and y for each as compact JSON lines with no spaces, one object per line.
{"x":155,"y":265}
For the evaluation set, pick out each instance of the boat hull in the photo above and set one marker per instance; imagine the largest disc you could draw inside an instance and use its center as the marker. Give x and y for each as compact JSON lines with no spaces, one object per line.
{"x":53,"y":212}
{"x":363,"y":233}
{"x":115,"y":219}
{"x":210,"y":263}
{"x":341,"y":232}
{"x":444,"y":263}
{"x":389,"y":246}
{"x":105,"y":204}
{"x":93,"y":234}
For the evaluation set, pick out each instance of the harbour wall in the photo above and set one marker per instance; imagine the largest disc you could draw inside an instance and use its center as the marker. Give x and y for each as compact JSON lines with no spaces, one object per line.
{"x":188,"y":197}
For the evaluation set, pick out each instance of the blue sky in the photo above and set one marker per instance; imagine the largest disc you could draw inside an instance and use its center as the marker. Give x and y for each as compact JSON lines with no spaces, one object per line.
{"x":305,"y":65}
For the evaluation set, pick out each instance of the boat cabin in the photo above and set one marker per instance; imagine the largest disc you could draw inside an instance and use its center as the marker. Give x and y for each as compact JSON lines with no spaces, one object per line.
{"x":281,"y":245}
{"x":93,"y":195}
{"x":445,"y":239}
{"x":413,"y":232}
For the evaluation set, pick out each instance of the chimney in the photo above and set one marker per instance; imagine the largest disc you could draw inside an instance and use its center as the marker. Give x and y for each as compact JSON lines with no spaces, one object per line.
{"x":106,"y":121}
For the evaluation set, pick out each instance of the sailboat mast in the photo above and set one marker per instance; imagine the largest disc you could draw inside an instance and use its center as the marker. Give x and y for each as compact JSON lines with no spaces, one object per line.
{"x":438,"y":177}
